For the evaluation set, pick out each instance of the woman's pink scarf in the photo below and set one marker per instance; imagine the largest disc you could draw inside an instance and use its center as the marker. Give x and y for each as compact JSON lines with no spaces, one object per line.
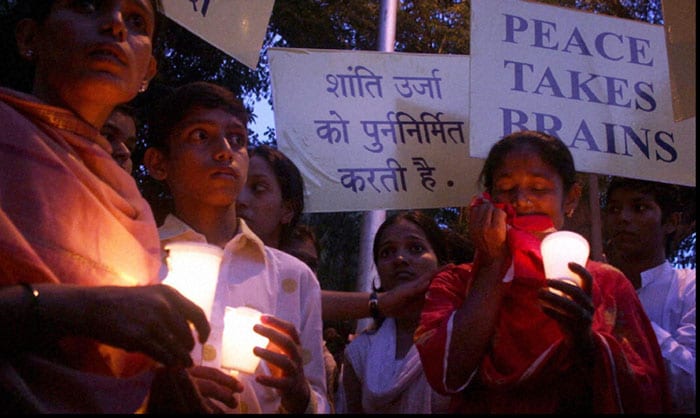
{"x":69,"y":214}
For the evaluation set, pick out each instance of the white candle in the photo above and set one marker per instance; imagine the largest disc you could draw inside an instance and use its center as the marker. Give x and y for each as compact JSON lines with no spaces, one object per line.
{"x":193,"y":269}
{"x":558,"y":249}
{"x":239,"y":339}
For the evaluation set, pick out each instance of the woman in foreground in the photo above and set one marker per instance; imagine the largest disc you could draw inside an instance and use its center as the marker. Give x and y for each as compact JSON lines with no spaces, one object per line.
{"x":495,"y":337}
{"x":80,"y":250}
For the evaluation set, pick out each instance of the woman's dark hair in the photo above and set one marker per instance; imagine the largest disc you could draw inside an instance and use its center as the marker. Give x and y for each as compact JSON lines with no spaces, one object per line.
{"x":291,"y":184}
{"x":16,"y":72}
{"x":301,"y":233}
{"x":433,"y":233}
{"x":551,"y":149}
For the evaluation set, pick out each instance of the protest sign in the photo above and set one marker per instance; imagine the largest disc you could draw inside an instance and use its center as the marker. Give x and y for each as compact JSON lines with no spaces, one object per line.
{"x":599,"y":83}
{"x":375,"y":130}
{"x":236,"y":27}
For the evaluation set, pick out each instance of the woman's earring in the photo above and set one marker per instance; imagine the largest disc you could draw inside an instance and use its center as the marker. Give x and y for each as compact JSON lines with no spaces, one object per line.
{"x":144,"y":86}
{"x":29,"y":54}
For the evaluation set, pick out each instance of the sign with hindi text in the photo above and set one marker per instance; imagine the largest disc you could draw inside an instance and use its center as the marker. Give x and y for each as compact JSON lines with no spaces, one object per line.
{"x":375,"y":130}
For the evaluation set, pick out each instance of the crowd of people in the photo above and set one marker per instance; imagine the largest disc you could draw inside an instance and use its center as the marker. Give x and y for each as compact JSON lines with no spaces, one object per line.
{"x":462,"y":324}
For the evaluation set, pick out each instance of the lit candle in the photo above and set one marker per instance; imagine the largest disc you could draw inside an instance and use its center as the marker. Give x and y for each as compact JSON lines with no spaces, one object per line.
{"x":239,"y":339}
{"x":558,"y":249}
{"x":193,"y":269}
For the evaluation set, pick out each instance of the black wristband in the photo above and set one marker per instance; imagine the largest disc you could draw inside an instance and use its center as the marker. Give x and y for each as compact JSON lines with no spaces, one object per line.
{"x":374,"y":306}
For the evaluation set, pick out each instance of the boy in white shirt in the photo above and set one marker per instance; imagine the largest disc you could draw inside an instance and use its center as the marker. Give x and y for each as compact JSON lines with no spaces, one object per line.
{"x":639,"y":222}
{"x":199,"y":149}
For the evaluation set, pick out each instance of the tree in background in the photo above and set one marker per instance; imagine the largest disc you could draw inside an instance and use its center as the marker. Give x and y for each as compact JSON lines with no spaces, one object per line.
{"x":425,"y":26}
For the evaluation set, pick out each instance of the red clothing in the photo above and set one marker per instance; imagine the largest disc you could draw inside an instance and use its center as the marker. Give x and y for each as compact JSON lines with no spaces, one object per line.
{"x":528,"y":366}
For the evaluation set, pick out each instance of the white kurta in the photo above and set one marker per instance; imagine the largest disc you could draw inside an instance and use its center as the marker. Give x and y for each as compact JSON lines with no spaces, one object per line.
{"x":274,"y":283}
{"x":668,"y":297}
{"x":390,"y":385}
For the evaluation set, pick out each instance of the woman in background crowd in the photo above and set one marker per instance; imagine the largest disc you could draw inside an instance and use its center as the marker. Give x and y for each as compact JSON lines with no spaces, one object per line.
{"x":272,"y":203}
{"x":120,"y":131}
{"x":382,"y":372}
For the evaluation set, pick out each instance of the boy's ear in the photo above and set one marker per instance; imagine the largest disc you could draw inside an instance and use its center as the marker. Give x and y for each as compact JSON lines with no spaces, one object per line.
{"x":154,"y":160}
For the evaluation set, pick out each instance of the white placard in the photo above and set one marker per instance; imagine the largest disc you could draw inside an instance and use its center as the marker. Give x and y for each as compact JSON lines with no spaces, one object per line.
{"x":375,"y":130}
{"x":599,"y":83}
{"x":236,"y":27}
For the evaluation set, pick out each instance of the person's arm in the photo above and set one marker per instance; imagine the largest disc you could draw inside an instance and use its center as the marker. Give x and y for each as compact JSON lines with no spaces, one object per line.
{"x":339,"y":305}
{"x":153,"y":320}
{"x":474,"y":323}
{"x":475,"y":320}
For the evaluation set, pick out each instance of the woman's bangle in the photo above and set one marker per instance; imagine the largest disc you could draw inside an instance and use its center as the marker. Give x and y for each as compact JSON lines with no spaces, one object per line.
{"x":374,"y":306}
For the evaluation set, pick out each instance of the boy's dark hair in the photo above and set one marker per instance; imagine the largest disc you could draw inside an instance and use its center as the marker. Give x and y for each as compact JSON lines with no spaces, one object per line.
{"x":173,"y":107}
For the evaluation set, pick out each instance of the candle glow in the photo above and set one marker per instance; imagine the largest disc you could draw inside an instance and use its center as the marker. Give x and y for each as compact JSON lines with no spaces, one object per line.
{"x":193,"y":269}
{"x":558,"y":249}
{"x":239,"y":339}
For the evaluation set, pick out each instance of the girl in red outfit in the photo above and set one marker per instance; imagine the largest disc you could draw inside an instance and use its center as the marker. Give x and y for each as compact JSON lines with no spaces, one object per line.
{"x":491,"y":333}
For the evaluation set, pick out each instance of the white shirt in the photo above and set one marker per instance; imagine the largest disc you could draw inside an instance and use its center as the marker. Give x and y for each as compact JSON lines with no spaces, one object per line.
{"x":668,"y":297}
{"x":389,"y":385}
{"x":274,"y":283}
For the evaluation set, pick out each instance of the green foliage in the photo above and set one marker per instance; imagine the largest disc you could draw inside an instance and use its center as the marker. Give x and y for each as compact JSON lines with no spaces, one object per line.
{"x":338,"y":235}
